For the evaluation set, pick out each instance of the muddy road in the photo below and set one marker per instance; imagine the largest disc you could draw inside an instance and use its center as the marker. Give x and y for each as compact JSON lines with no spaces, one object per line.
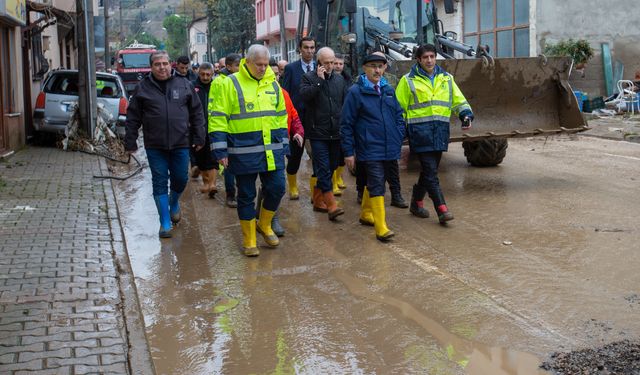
{"x":543,"y":256}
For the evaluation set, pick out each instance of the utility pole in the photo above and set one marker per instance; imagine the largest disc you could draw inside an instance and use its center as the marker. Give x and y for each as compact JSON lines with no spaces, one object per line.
{"x":107,"y":54}
{"x":121,"y":27}
{"x":86,"y":66}
{"x":209,"y":20}
{"x":283,"y":31}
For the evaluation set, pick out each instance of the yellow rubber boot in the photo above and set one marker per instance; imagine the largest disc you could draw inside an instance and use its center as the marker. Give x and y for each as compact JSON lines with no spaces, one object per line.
{"x":334,"y":180}
{"x":264,"y":227}
{"x":341,"y":184}
{"x":366,"y":214}
{"x":249,"y":246}
{"x":382,"y":232}
{"x":312,"y":185}
{"x":292,"y":180}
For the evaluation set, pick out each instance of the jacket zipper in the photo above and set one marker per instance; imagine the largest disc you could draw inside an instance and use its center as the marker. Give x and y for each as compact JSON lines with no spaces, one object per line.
{"x":166,"y":106}
{"x":384,"y":125}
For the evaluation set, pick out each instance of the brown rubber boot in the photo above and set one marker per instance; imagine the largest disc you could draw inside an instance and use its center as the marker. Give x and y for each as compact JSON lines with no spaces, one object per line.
{"x":318,"y":201}
{"x":332,"y":206}
{"x":204,"y":188}
{"x":209,"y":182}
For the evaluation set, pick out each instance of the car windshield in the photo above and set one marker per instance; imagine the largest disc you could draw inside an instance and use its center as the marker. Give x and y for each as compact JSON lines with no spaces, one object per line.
{"x":107,"y":88}
{"x":67,"y":84}
{"x":135,"y":60}
{"x":402,"y":14}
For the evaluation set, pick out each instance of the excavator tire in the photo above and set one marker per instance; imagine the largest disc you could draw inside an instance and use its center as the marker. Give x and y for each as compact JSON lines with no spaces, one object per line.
{"x":485,"y":152}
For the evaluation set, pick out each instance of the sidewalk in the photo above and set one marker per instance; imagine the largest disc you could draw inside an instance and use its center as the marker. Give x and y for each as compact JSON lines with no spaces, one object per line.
{"x":617,"y":128}
{"x":68,"y":304}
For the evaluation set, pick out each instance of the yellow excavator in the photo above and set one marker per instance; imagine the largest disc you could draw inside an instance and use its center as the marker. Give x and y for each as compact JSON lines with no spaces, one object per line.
{"x":510,"y":97}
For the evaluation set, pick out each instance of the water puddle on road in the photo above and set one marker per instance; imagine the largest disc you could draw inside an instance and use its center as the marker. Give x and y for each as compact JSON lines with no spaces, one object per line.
{"x":473,"y":357}
{"x":210,"y":311}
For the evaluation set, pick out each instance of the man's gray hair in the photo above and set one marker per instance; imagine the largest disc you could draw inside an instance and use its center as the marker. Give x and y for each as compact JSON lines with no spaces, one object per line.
{"x":324,"y":51}
{"x":206,"y":66}
{"x":256,"y":50}
{"x":157,"y":55}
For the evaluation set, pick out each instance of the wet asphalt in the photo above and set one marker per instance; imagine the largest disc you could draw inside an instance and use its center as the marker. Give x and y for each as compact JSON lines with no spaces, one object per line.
{"x":542,"y":257}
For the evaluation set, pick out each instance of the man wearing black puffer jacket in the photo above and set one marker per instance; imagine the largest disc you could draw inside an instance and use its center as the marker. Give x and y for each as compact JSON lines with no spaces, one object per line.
{"x":323,"y":92}
{"x":205,"y":160}
{"x":170,"y":112}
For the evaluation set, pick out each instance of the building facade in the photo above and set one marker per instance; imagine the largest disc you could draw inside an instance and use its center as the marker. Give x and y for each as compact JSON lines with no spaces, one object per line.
{"x":268,"y":27}
{"x":520,"y":28}
{"x":13,"y":16}
{"x":198,"y":41}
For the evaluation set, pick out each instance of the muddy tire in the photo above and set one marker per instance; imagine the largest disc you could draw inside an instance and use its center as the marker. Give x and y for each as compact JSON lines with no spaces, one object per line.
{"x":485,"y":152}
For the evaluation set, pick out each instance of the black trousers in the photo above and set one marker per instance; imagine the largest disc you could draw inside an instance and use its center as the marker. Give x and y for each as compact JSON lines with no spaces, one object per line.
{"x":295,"y":157}
{"x":204,"y":159}
{"x":428,"y":181}
{"x":391,"y":175}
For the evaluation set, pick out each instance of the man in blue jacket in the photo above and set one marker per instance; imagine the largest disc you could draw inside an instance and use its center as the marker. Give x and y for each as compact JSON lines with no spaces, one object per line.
{"x":372,"y":127}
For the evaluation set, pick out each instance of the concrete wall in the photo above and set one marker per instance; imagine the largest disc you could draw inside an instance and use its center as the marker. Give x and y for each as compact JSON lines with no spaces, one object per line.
{"x":598,"y":22}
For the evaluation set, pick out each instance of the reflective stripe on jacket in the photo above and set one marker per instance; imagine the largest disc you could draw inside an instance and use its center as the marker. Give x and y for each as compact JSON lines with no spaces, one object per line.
{"x":248,"y":122}
{"x":428,"y":106}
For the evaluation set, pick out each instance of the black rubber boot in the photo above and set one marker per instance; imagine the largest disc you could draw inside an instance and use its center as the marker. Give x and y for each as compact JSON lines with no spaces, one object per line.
{"x":440,"y":206}
{"x":417,"y":202}
{"x":398,"y":201}
{"x":231,"y":201}
{"x":276,"y":227}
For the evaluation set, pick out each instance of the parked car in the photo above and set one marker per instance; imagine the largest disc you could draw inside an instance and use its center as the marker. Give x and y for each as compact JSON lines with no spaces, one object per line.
{"x":59,"y":94}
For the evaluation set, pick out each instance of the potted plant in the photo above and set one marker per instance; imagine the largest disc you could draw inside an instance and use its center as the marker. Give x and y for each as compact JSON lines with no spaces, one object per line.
{"x":579,"y":50}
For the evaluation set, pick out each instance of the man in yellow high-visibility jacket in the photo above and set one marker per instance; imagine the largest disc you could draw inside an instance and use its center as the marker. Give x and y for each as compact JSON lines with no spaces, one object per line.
{"x":428,"y":95}
{"x":248,"y":129}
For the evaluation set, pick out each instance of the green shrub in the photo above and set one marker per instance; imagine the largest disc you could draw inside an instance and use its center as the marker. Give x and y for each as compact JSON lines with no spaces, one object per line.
{"x":579,"y":50}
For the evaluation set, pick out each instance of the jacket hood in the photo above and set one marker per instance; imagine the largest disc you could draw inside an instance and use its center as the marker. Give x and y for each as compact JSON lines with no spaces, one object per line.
{"x":269,"y":75}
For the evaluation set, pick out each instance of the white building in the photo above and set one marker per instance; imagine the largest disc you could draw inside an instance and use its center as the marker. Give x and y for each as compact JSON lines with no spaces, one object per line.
{"x":198,"y":40}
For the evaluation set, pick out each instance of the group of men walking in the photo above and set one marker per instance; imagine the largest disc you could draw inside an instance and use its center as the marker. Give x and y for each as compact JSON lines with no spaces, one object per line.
{"x":248,"y":122}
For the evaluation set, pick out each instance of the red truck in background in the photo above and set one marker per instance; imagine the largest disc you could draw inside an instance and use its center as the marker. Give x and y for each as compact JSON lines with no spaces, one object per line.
{"x":132,"y":64}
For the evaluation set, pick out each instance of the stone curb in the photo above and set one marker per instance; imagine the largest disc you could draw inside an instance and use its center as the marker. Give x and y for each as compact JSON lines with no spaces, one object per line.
{"x":139,"y":354}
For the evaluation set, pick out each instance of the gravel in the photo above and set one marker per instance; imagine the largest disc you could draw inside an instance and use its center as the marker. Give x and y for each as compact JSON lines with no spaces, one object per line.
{"x":618,"y":358}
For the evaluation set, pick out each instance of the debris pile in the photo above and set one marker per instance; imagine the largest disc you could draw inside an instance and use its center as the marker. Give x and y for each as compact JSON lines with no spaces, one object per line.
{"x":618,"y":358}
{"x":104,"y":141}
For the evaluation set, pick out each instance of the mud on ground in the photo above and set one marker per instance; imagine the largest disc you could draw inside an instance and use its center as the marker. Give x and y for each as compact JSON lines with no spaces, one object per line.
{"x":618,"y":358}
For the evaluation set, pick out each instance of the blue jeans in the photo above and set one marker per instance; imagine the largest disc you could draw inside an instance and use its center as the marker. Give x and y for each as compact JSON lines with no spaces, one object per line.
{"x":168,"y":166}
{"x":273,"y":189}
{"x":325,"y":160}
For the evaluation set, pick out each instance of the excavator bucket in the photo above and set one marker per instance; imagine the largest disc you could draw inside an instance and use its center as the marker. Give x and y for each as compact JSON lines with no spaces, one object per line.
{"x":512,"y":97}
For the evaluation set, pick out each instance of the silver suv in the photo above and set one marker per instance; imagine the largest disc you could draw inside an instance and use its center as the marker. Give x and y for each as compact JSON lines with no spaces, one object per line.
{"x":59,"y":94}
